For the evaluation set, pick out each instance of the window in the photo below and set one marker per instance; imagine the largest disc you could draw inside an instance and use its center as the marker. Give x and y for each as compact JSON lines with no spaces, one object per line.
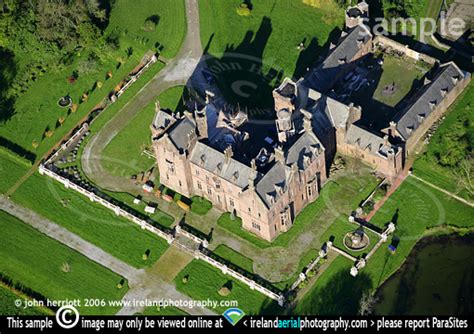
{"x":250,"y":210}
{"x":259,"y":215}
{"x":199,"y":185}
{"x":219,"y":198}
{"x":197,"y":172}
{"x":180,"y":184}
{"x":170,"y":166}
{"x":167,"y":176}
{"x":207,"y":178}
{"x":231,"y":202}
{"x":255,"y":226}
{"x":209,"y":191}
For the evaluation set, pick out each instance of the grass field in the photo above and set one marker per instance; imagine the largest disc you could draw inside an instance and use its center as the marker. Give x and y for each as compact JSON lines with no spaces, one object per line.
{"x":235,"y":257}
{"x":38,"y":262}
{"x":96,"y":224}
{"x":37,"y":109}
{"x":267,"y":38}
{"x":128,"y":17}
{"x":123,"y":155}
{"x":7,"y":304}
{"x":204,"y":281}
{"x":159,"y":216}
{"x":11,"y":169}
{"x":419,"y":208}
{"x":451,"y":141}
{"x":171,"y":263}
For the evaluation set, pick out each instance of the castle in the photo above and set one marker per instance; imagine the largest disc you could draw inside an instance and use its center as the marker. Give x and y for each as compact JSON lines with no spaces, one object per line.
{"x":215,"y":153}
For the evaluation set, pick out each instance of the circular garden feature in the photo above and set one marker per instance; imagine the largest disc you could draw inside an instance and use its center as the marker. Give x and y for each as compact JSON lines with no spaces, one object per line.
{"x":65,"y":101}
{"x":356,"y":240}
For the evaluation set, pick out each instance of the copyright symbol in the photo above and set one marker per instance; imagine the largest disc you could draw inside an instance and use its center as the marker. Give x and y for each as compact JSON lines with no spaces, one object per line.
{"x":67,"y":316}
{"x":18,"y":303}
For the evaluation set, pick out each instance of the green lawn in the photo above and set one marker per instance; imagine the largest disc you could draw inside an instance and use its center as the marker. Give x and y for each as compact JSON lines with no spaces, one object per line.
{"x":235,"y":257}
{"x":268,"y":37}
{"x":37,"y":109}
{"x":304,"y":261}
{"x":336,"y":292}
{"x":93,"y":222}
{"x":38,"y":262}
{"x":204,"y":281}
{"x":128,"y":17}
{"x":200,"y":205}
{"x":123,"y":155}
{"x":7,"y":304}
{"x":159,"y":216}
{"x":11,"y":169}
{"x":340,"y":228}
{"x":337,"y":197}
{"x":235,"y":226}
{"x":342,"y":195}
{"x":392,"y":67}
{"x":450,"y":145}
{"x":420,"y":208}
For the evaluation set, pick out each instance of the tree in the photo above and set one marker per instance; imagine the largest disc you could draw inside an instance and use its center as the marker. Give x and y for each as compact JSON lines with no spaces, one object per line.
{"x":465,"y":175}
{"x":366,"y":304}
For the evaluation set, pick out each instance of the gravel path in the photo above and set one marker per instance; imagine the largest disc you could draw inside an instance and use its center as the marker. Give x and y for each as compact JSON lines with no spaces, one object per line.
{"x":177,"y":72}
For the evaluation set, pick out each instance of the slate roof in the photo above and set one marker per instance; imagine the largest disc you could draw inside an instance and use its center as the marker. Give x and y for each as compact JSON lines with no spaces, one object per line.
{"x":181,"y":133}
{"x":273,"y":183}
{"x":162,"y":119}
{"x":433,"y":93}
{"x":215,"y":162}
{"x":306,"y":145}
{"x":347,"y":47}
{"x":370,"y":142}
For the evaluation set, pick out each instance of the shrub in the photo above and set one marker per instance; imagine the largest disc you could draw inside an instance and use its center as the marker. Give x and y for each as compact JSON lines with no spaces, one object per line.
{"x":200,"y":205}
{"x":243,"y":10}
{"x":224,"y":291}
{"x":73,"y":108}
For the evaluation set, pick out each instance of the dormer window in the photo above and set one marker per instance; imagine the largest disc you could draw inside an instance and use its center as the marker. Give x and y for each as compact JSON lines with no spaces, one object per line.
{"x":410,"y":129}
{"x":203,"y":159}
{"x":357,"y":142}
{"x":433,"y":104}
{"x":455,"y":79}
{"x":421,"y":117}
{"x":235,"y":176}
{"x":342,"y":60}
{"x":368,"y":147}
{"x":444,"y":92}
{"x":219,"y":167}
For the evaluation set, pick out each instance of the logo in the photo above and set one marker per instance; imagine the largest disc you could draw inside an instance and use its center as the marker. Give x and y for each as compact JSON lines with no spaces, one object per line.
{"x":67,"y":316}
{"x":233,"y":315}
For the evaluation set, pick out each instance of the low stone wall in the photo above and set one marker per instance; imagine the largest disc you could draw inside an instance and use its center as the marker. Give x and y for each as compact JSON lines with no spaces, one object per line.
{"x":135,"y":77}
{"x":249,"y":282}
{"x":94,"y":198}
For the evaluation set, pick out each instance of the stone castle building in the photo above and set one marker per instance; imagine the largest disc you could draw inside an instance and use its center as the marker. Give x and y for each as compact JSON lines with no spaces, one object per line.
{"x":215,"y":153}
